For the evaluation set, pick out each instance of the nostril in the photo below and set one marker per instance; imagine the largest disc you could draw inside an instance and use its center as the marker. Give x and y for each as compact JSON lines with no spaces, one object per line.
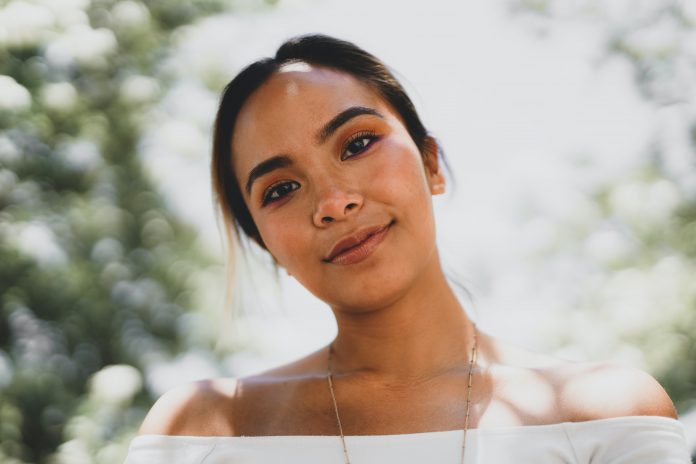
{"x":326,"y":219}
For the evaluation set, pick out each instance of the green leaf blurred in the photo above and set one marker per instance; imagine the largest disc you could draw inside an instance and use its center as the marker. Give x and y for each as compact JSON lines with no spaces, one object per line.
{"x":94,"y":265}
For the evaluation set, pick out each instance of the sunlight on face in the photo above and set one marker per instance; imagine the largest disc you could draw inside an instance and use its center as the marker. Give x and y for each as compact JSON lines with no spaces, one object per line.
{"x":297,"y":66}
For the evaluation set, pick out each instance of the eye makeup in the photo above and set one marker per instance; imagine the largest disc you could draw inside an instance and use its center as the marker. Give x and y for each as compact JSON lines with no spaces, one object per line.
{"x":358,"y":142}
{"x":278,"y":191}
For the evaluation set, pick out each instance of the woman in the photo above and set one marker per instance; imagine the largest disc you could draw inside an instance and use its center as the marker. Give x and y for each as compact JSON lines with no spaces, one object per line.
{"x":320,"y":157}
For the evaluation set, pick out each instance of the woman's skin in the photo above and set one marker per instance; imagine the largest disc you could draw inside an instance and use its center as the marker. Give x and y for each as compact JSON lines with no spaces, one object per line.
{"x":403,"y":345}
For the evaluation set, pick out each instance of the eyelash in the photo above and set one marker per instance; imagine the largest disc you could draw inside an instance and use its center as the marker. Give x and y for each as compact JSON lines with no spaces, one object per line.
{"x":273,"y":188}
{"x":359,"y":136}
{"x":370,"y":135}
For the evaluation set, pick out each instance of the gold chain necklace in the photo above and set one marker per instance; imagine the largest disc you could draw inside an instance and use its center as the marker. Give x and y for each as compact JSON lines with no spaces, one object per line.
{"x":472,"y":361}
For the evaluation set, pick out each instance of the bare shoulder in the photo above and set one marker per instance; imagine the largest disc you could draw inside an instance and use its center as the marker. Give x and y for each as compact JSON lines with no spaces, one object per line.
{"x":579,"y":391}
{"x":199,"y":408}
{"x":603,"y":390}
{"x":232,"y":406}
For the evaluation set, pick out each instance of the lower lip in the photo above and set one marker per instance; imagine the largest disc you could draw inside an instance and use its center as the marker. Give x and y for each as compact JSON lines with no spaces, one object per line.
{"x":362,"y":251}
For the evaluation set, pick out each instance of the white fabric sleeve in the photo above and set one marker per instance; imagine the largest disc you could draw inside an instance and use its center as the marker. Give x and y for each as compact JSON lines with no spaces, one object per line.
{"x":646,"y":440}
{"x":151,"y":449}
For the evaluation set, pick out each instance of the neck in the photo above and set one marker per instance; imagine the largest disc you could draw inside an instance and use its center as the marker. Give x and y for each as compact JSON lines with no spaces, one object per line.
{"x":417,"y":337}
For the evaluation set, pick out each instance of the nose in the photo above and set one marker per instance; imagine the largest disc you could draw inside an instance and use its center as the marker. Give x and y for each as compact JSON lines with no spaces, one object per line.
{"x":336,"y":204}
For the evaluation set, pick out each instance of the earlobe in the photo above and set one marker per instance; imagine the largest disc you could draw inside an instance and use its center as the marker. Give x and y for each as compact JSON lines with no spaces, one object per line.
{"x":437,"y":189}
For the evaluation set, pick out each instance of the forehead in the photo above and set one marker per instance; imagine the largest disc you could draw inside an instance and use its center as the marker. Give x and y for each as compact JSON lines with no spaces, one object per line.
{"x":286,"y":111}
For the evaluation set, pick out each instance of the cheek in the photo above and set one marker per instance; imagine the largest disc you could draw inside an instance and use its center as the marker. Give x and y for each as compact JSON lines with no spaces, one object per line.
{"x":282,"y":237}
{"x":400,"y":175}
{"x":404,"y":185}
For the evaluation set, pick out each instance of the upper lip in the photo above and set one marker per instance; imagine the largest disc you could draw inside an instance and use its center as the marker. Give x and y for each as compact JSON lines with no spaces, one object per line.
{"x":354,"y":239}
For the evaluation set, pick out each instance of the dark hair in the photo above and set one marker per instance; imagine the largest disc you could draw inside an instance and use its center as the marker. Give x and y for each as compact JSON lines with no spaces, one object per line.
{"x":319,"y":50}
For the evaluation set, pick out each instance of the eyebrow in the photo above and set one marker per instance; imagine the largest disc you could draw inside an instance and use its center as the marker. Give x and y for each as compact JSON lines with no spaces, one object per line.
{"x":266,"y":166}
{"x":342,"y":118}
{"x":282,"y":161}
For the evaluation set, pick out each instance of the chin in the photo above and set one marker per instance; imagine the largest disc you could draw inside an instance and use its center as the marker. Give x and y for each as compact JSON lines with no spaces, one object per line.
{"x":367,"y":297}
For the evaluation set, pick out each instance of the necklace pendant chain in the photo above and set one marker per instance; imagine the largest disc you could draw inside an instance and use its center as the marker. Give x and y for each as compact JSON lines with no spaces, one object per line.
{"x":472,"y":362}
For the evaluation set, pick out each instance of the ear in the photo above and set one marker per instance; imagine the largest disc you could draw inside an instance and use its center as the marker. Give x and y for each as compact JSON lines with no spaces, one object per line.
{"x":436,"y":179}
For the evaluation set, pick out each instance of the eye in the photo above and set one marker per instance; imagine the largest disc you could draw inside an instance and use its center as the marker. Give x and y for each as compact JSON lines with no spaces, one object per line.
{"x":278,"y":191}
{"x":358,"y":143}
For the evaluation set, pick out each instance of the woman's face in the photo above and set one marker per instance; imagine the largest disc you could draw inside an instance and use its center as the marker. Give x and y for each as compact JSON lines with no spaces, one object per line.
{"x":320,"y":157}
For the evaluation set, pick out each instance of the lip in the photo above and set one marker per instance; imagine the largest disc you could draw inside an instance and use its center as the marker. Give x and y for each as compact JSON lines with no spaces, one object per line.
{"x":357,"y":246}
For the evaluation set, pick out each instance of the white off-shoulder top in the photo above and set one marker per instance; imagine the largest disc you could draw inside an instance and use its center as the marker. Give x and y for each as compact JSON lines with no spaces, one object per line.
{"x":619,"y":440}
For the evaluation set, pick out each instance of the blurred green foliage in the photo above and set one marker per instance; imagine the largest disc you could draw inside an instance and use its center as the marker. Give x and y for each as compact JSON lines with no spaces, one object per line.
{"x":649,"y":212}
{"x":94,"y":268}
